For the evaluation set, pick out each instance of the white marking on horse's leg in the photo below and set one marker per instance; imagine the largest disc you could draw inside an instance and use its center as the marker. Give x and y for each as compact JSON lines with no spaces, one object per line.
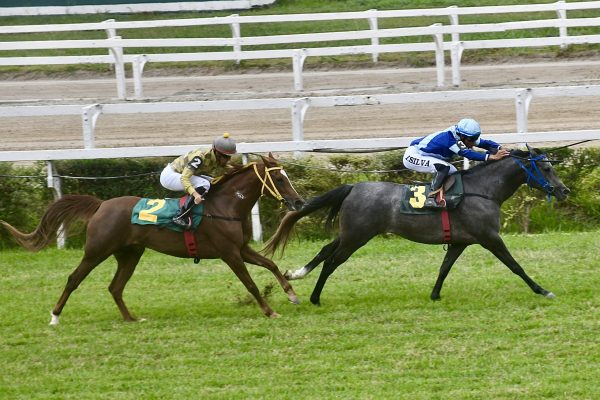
{"x":298,"y":274}
{"x":54,"y":320}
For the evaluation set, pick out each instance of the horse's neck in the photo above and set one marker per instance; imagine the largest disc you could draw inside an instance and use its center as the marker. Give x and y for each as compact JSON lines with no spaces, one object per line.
{"x":239,"y":193}
{"x":498,"y":180}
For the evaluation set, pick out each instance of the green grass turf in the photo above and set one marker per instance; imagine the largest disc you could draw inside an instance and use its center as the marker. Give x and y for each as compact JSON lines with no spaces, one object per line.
{"x":376,"y":336}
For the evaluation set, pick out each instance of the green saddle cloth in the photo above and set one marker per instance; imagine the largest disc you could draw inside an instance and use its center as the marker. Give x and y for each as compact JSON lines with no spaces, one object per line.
{"x":414,"y":196}
{"x":160,"y":212}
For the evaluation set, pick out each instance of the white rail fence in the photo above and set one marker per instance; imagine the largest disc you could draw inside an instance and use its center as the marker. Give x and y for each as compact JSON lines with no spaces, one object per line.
{"x":135,"y":8}
{"x":116,"y":44}
{"x":298,"y":107}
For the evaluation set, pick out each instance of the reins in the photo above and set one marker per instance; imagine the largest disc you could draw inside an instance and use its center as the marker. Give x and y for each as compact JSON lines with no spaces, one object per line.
{"x":266,"y":180}
{"x":533,"y":174}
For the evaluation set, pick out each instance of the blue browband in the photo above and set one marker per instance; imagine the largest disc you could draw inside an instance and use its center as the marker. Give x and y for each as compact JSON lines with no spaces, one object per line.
{"x":534,"y":173}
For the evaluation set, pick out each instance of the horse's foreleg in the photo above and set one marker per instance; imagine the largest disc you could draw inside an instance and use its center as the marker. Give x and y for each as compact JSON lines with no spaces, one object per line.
{"x":238,"y":267}
{"x":83,"y":269}
{"x":454,"y":251}
{"x":498,"y":248}
{"x":324,"y":254}
{"x":127,"y":259}
{"x":252,"y":257}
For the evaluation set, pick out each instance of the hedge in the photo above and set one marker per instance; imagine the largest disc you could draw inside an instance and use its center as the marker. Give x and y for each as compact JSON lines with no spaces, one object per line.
{"x":24,"y":195}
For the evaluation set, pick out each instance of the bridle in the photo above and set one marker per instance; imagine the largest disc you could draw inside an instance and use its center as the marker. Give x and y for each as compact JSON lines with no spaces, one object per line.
{"x":266,"y":180}
{"x":533,"y":172}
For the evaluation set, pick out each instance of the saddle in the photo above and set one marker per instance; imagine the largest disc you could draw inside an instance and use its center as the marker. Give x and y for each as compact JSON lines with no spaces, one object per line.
{"x":414,"y":196}
{"x":160,"y":212}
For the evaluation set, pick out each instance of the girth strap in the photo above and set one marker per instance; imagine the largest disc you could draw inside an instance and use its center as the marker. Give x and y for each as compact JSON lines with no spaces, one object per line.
{"x":190,"y":239}
{"x":446,"y":226}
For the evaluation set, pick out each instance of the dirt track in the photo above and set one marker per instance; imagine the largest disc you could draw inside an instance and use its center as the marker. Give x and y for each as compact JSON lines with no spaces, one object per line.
{"x":565,"y":113}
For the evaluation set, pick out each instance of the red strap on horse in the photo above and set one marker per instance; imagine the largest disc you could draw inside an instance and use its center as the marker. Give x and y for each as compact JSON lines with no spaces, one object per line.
{"x":446,"y":226}
{"x":188,"y":236}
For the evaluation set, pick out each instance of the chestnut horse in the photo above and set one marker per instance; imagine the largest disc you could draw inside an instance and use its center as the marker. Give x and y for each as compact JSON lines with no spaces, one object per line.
{"x":224,"y":231}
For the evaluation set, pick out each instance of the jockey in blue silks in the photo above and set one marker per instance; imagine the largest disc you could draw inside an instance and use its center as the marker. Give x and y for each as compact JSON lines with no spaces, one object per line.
{"x":433,"y":153}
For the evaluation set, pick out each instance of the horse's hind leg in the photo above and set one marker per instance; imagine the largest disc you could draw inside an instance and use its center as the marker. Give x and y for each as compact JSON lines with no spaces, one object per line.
{"x":87,"y":264}
{"x":498,"y":248}
{"x":454,"y":251}
{"x":252,"y":257}
{"x":127,"y":259}
{"x":324,"y":254}
{"x":339,"y":256}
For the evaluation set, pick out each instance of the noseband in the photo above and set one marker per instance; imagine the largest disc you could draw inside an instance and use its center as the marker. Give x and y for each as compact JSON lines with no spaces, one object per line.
{"x":268,"y":179}
{"x":534,"y":174}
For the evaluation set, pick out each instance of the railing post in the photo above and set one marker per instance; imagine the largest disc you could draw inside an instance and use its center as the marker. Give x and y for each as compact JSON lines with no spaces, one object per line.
{"x":55,"y":184}
{"x":522,"y":101}
{"x":89,"y":116}
{"x":235,"y":34}
{"x":117,"y":53}
{"x":561,"y":13}
{"x":374,"y":26}
{"x":299,"y":108}
{"x":255,"y":213}
{"x":137,"y":66}
{"x":454,"y":22}
{"x":456,"y":54}
{"x":438,"y":39}
{"x":297,"y":65}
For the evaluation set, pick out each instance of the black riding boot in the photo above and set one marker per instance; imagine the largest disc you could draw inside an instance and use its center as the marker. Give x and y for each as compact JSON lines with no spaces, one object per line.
{"x":183,"y":217}
{"x":438,"y":180}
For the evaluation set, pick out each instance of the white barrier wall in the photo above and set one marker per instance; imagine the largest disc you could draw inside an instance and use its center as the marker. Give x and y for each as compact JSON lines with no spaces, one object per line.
{"x":137,"y":8}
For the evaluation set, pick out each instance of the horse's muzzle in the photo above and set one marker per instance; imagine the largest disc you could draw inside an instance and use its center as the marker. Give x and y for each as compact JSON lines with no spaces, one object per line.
{"x":294,"y":205}
{"x":561,"y":192}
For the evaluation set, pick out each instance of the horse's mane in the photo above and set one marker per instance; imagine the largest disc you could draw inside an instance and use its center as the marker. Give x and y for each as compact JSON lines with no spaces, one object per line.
{"x":233,"y":170}
{"x":482,"y":165}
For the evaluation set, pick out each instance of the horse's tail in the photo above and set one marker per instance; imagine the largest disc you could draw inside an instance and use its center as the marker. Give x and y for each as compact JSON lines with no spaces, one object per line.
{"x":334,"y":199}
{"x":62,"y":212}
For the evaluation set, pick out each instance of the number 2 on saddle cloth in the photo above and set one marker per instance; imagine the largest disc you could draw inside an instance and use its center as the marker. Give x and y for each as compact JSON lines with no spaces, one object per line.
{"x":160,"y":212}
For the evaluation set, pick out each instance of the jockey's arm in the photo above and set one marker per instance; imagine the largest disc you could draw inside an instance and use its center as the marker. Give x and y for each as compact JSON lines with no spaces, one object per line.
{"x":488,"y":145}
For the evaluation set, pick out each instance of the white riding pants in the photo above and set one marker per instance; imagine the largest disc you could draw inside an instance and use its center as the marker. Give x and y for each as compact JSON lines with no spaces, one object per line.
{"x":172,"y":180}
{"x":416,"y":161}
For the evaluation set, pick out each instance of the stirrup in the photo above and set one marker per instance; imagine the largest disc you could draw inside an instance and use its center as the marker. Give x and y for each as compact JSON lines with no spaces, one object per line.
{"x":182,"y":221}
{"x":430,"y":202}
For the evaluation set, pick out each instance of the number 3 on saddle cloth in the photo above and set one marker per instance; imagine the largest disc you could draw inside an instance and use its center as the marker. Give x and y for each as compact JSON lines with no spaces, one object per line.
{"x":414,"y":196}
{"x":160,"y":212}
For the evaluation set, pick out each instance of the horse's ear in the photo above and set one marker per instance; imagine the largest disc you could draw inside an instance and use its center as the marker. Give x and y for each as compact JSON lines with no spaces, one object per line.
{"x":530,"y":149}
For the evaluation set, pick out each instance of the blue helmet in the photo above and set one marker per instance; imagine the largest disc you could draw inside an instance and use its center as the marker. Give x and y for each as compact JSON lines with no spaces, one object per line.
{"x":469,"y":128}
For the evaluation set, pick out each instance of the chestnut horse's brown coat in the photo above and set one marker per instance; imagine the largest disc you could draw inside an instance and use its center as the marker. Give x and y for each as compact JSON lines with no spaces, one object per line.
{"x":110,"y":231}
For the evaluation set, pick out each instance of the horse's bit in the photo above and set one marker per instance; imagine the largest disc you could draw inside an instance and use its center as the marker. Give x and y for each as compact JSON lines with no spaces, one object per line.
{"x":534,"y":173}
{"x":268,"y":179}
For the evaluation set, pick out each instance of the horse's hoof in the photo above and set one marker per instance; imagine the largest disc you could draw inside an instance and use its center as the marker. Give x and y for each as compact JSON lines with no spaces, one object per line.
{"x":550,"y":295}
{"x":294,"y":299}
{"x":54,"y":320}
{"x":288,"y":275}
{"x":436,"y":298}
{"x":274,"y":315}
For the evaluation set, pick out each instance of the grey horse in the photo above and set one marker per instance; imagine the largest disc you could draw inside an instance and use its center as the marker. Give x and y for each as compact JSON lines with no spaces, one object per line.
{"x":367,"y":209}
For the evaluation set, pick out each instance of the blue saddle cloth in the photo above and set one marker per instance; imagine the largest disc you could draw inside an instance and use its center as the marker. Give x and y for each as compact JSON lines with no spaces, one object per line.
{"x":414,"y":196}
{"x":160,"y":212}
